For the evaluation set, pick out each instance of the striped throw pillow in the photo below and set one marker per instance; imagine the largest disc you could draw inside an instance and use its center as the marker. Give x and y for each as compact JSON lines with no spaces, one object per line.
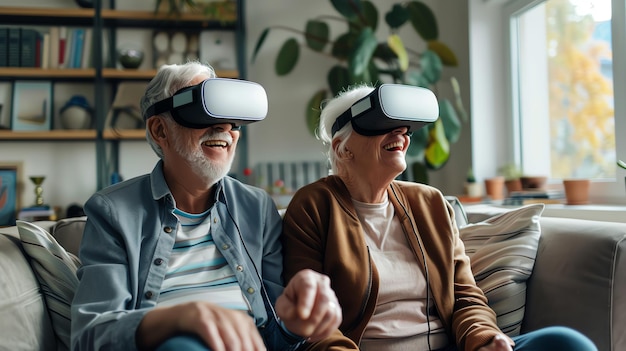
{"x":55,"y":270}
{"x":502,"y":251}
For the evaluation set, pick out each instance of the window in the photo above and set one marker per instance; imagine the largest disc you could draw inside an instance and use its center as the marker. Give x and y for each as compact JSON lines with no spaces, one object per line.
{"x":566,"y":122}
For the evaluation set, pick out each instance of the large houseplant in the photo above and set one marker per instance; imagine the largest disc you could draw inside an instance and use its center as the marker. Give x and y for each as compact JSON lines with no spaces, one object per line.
{"x":362,"y":58}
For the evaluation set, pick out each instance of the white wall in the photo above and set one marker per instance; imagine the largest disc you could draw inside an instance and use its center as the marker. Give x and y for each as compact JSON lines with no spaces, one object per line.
{"x":283,"y":135}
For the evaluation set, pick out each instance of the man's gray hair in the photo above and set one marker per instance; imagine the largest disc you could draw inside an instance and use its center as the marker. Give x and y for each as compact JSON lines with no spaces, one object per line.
{"x":168,"y":80}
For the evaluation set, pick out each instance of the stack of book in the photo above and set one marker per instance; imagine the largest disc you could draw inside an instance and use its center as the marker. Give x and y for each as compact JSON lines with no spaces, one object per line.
{"x":37,"y":213}
{"x":532,"y":196}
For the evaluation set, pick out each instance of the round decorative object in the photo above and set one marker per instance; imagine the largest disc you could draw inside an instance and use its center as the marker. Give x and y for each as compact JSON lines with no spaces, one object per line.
{"x":179,"y":42}
{"x":85,"y":3}
{"x":130,"y":58}
{"x":161,"y":42}
{"x":76,"y":113}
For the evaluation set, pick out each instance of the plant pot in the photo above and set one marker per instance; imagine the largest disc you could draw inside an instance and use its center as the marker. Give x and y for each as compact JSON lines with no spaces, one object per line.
{"x":494,"y":187}
{"x":576,"y":191}
{"x":533,"y":182}
{"x":513,"y":185}
{"x":473,"y":189}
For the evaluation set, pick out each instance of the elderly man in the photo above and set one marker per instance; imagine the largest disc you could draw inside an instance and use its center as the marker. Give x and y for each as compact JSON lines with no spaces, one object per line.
{"x":187,"y":258}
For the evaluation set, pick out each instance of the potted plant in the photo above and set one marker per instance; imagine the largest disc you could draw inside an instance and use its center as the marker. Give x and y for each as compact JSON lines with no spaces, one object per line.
{"x":363,"y":58}
{"x":472,"y":188}
{"x":224,"y":10}
{"x":512,"y":177}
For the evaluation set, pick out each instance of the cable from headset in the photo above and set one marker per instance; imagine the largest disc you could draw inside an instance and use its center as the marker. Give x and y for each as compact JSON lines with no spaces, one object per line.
{"x":419,"y":243}
{"x":263,"y":289}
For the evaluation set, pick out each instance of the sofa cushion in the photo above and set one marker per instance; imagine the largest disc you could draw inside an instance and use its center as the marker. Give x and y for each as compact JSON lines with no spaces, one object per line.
{"x":55,"y":270}
{"x":502,"y":250}
{"x":24,"y":320}
{"x":69,"y":233}
{"x":580,"y":280}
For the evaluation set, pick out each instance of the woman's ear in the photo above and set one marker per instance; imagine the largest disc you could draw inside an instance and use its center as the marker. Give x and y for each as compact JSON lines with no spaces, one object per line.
{"x":343,"y":153}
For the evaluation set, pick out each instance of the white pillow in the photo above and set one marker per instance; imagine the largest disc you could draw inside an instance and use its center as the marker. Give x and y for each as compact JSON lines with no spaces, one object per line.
{"x":502,"y":251}
{"x":55,"y":270}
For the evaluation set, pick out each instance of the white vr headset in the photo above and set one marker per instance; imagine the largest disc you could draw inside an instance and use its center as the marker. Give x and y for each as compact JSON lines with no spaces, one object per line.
{"x":214,"y":101}
{"x":388,"y":107}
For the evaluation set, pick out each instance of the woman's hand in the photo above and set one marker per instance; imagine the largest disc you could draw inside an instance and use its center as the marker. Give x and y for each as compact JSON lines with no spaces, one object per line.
{"x":308,"y":306}
{"x":499,"y":343}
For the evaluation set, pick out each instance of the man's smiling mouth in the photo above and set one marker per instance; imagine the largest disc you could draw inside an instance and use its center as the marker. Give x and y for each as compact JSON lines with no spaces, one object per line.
{"x":215,"y":143}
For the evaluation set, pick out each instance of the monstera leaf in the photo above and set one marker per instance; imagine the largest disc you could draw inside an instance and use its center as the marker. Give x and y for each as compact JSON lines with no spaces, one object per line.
{"x":364,"y":59}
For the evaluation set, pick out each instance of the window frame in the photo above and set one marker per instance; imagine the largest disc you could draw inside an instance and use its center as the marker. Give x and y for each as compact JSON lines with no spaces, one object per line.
{"x":605,"y":191}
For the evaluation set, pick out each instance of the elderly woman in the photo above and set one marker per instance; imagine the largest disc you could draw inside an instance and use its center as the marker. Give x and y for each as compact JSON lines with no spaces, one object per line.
{"x":392,"y":248}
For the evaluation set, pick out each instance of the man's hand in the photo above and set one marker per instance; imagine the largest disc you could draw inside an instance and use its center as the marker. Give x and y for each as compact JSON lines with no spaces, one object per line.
{"x":499,"y":343}
{"x":220,"y":328}
{"x":308,"y":306}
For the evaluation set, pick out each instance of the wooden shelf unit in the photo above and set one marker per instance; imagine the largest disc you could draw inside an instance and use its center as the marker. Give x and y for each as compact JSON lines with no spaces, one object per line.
{"x":105,"y":77}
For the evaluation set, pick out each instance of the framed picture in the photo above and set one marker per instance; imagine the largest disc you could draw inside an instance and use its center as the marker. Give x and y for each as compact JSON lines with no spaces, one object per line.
{"x":10,"y":185}
{"x":32,"y":106}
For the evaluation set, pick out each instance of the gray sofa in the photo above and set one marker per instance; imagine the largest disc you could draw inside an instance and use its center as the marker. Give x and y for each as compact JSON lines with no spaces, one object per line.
{"x":578,"y":280}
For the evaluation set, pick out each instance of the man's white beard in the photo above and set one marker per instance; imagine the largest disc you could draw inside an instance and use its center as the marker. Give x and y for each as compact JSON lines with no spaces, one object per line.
{"x":202,"y":166}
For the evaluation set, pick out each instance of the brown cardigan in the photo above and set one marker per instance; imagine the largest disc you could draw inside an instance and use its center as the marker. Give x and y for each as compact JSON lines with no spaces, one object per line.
{"x":322,"y":232}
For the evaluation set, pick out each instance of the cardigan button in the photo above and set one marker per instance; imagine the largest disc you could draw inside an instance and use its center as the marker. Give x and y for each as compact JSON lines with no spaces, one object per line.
{"x":168,"y":229}
{"x":158,"y":261}
{"x":149,"y":295}
{"x":250,"y":290}
{"x":240,"y":268}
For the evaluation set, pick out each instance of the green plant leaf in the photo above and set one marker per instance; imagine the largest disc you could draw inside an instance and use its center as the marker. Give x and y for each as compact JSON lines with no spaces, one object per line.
{"x":313,"y":111}
{"x":316,"y":35}
{"x":287,"y":57}
{"x":397,"y":46}
{"x":397,"y":16}
{"x":446,"y":55}
{"x":342,"y":47}
{"x":438,"y":149}
{"x":369,"y":76}
{"x":349,"y":9}
{"x":450,"y":120}
{"x":364,"y":50}
{"x":458,"y":101}
{"x":338,"y":79}
{"x":260,"y":42}
{"x":371,"y":15}
{"x":423,"y":20}
{"x":431,"y":67}
{"x":420,"y":173}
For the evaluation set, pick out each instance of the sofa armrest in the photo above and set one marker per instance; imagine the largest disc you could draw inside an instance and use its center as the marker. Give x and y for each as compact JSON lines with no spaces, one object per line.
{"x":579,"y":280}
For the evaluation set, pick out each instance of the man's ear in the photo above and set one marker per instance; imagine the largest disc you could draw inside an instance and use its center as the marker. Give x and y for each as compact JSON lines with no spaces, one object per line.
{"x":157,"y":127}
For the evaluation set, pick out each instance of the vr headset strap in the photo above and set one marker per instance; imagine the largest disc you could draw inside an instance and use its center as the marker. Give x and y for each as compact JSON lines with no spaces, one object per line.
{"x":341,"y":121}
{"x":159,"y":107}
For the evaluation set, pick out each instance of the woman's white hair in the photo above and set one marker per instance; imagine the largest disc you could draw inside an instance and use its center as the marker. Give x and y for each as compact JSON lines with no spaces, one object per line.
{"x":168,"y":80}
{"x":332,"y":109}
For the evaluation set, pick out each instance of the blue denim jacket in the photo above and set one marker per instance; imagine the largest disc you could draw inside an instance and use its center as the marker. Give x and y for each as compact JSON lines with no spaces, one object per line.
{"x":127,"y":243}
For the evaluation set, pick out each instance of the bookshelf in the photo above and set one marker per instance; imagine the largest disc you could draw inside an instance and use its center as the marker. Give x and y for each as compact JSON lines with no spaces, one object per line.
{"x":103,"y":74}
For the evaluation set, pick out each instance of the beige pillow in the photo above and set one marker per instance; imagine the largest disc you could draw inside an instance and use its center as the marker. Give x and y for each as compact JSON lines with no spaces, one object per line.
{"x":502,"y":250}
{"x":55,"y":270}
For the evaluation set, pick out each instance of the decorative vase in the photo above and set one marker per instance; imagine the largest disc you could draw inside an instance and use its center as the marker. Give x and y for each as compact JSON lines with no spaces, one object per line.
{"x":76,"y":113}
{"x":130,"y":58}
{"x":576,"y":191}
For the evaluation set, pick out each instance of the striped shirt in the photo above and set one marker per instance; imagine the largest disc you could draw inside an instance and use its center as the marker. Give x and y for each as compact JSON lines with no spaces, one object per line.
{"x":197,"y":271}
